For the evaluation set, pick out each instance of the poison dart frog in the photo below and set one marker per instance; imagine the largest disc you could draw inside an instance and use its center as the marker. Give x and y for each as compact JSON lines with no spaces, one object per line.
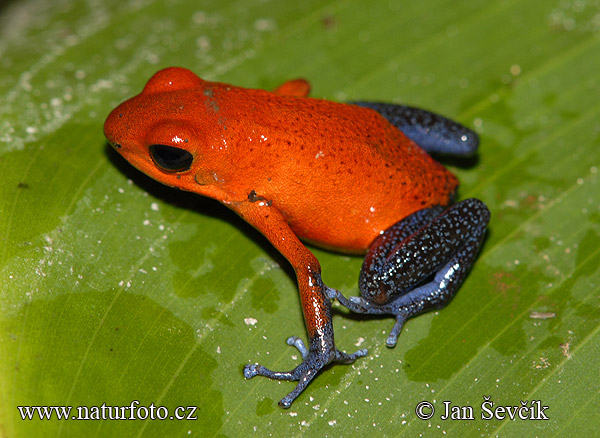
{"x":350,"y":177}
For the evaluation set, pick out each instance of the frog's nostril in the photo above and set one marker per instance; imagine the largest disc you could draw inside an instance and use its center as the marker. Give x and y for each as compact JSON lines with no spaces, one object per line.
{"x":116,"y":146}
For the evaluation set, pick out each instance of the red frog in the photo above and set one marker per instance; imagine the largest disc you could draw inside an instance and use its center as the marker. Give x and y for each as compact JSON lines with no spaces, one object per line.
{"x":350,"y":177}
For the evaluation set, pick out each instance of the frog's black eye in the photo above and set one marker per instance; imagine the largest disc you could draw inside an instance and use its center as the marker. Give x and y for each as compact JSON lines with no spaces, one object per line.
{"x":170,"y":158}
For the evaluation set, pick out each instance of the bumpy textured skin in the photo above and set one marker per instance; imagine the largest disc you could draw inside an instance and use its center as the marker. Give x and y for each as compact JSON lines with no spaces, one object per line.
{"x":419,"y":263}
{"x":432,"y":132}
{"x":332,"y":174}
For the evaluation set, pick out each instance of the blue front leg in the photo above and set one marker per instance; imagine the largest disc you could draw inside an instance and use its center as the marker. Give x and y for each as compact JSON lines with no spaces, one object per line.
{"x":419,"y":263}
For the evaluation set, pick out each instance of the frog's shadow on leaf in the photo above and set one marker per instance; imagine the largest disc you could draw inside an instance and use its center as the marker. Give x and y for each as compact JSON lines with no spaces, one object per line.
{"x":454,"y":161}
{"x":5,"y":3}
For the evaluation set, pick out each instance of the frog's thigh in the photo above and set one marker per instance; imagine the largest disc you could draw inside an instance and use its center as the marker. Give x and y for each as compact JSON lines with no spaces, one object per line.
{"x":409,"y":272}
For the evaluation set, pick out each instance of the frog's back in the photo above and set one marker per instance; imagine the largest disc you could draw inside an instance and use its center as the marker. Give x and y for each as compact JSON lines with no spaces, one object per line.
{"x":341,"y":173}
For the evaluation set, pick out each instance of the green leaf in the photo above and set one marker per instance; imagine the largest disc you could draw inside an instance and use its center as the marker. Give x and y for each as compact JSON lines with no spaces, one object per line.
{"x":115,"y":289}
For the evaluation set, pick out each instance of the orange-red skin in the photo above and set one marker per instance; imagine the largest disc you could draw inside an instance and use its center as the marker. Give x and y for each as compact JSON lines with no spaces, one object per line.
{"x":332,"y":174}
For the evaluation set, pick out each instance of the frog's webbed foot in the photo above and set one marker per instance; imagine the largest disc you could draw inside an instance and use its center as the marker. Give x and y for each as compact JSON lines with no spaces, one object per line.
{"x":313,"y":360}
{"x":419,"y":263}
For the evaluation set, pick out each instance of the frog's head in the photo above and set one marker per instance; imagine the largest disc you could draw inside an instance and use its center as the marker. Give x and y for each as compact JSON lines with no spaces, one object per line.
{"x":161,"y":132}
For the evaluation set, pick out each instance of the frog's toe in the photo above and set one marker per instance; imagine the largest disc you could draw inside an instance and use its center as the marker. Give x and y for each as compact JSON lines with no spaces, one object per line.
{"x":393,"y":336}
{"x":299,"y":344}
{"x":341,"y":357}
{"x":354,"y":303}
{"x":252,"y":370}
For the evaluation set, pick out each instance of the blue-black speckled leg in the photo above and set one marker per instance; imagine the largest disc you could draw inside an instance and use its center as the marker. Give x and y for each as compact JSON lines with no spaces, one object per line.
{"x":432,"y":132}
{"x":419,"y":263}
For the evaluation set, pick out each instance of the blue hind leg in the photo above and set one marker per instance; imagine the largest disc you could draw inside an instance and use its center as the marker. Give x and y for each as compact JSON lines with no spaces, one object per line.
{"x":419,"y":263}
{"x":430,"y":131}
